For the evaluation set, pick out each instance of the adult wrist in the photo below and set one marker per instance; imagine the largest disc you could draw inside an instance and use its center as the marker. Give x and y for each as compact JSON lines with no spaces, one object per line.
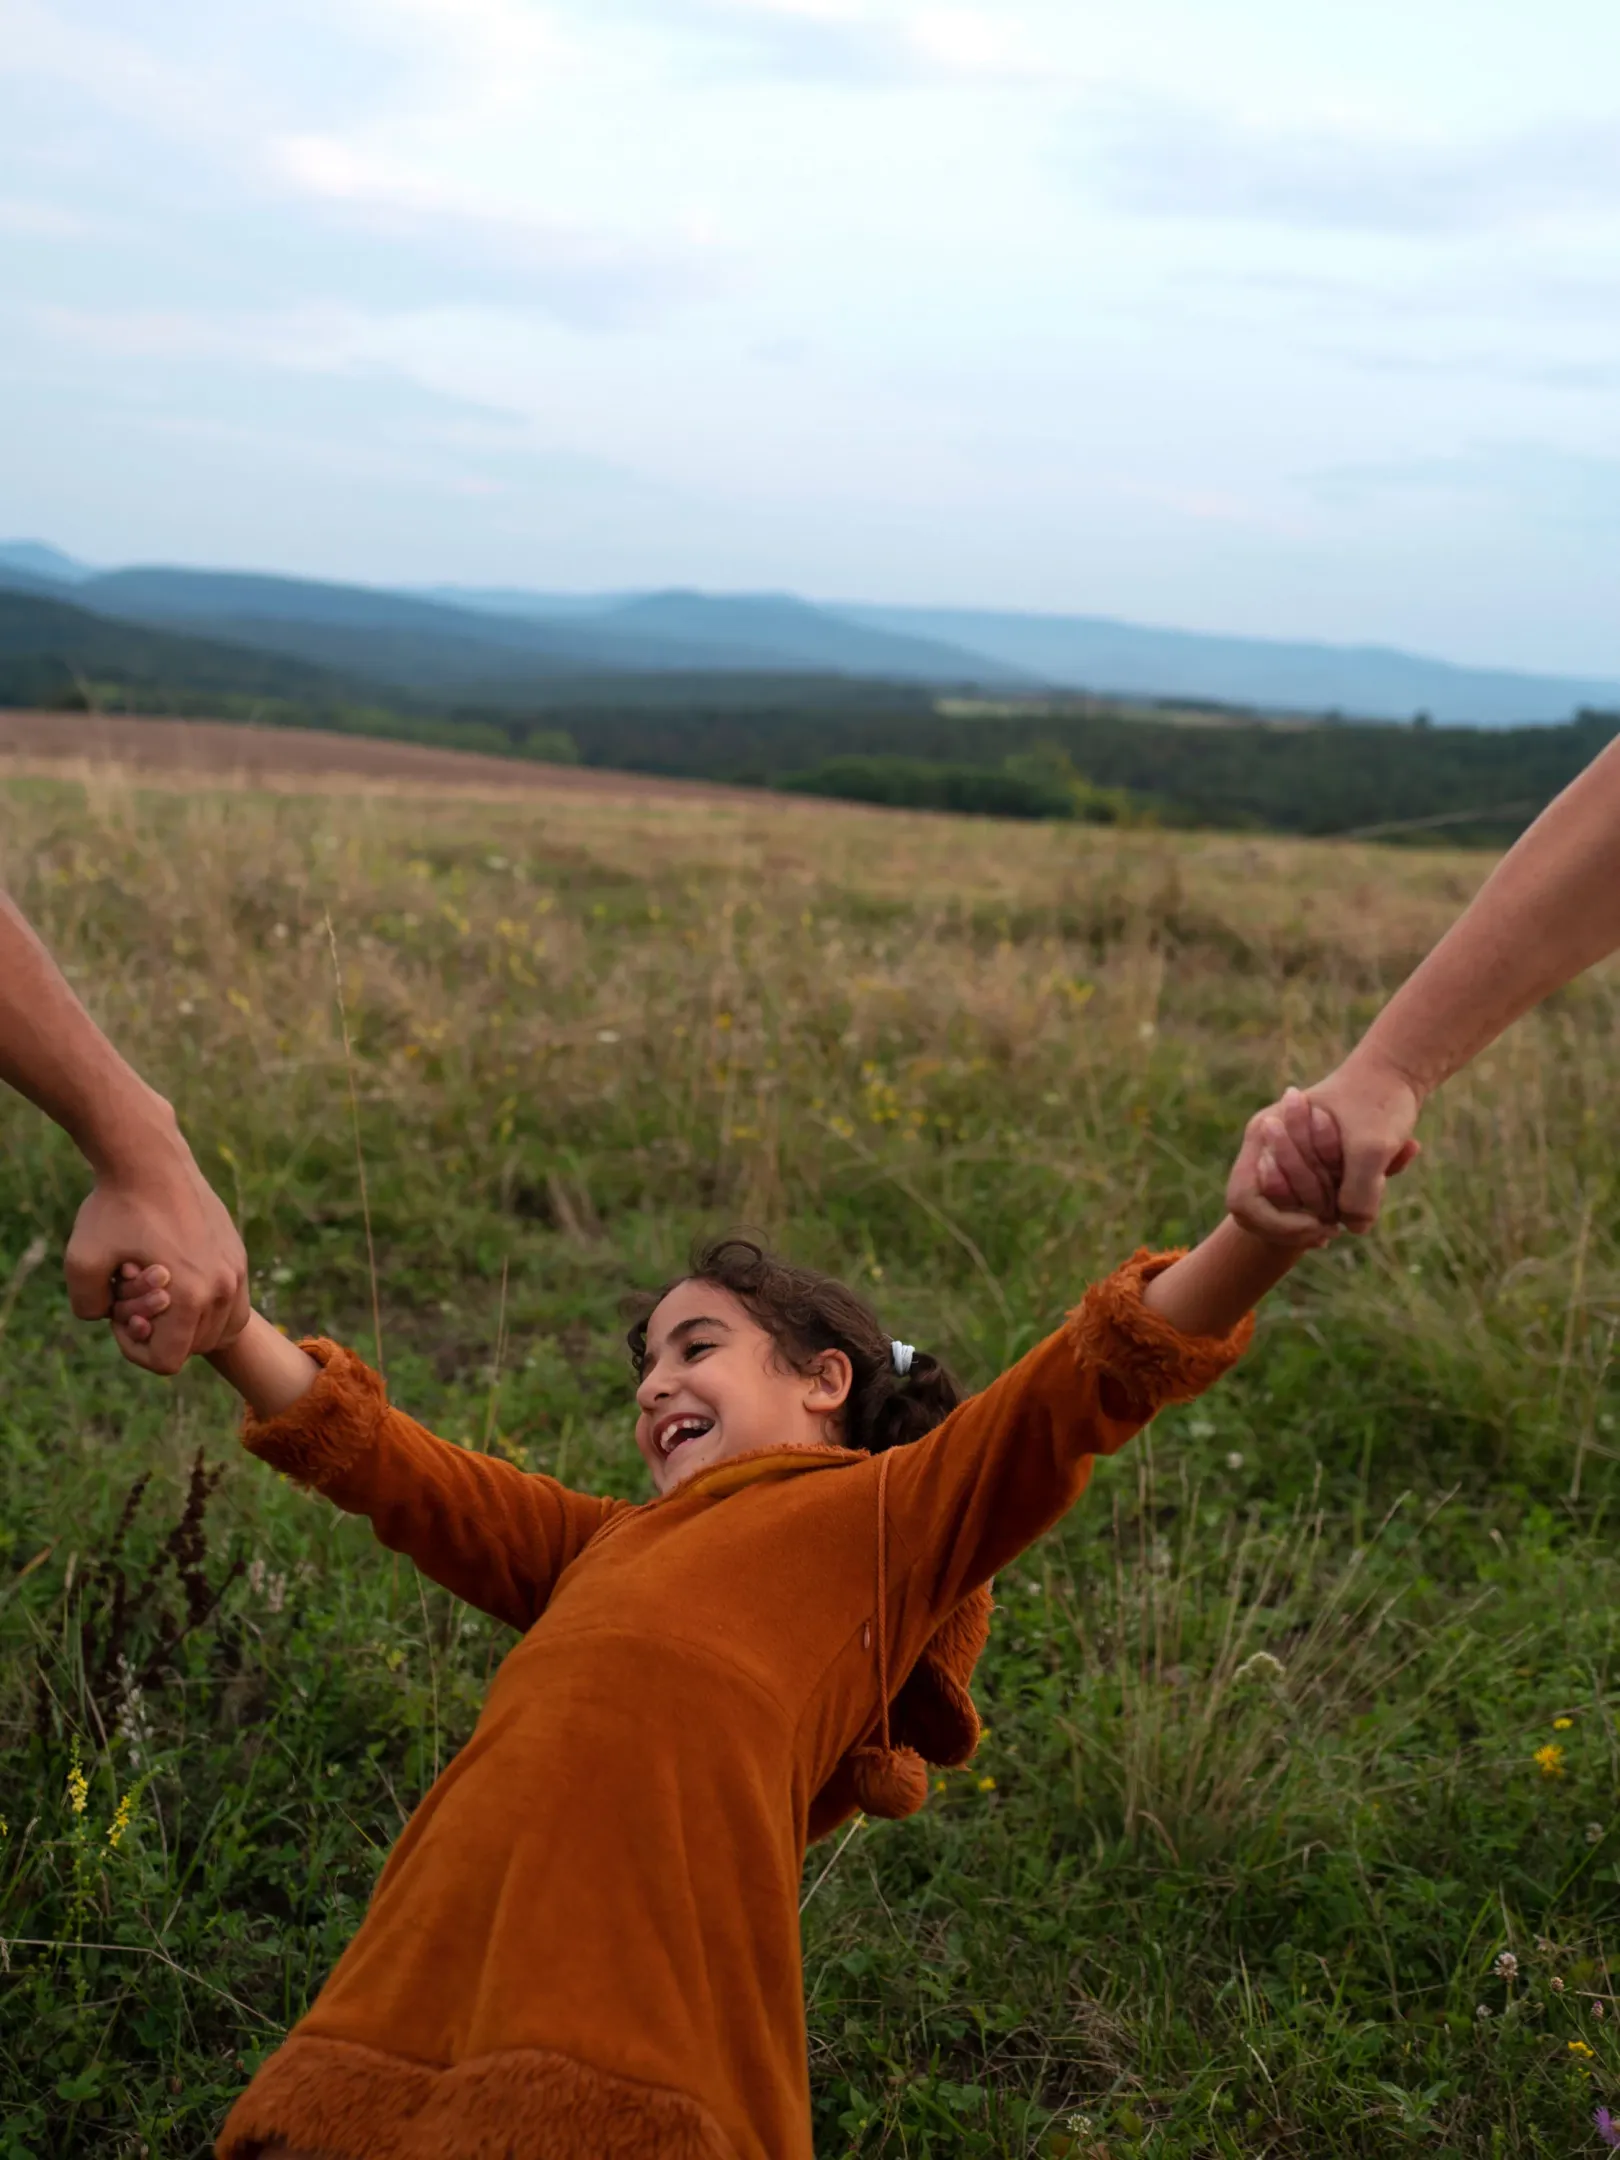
{"x":134,"y":1136}
{"x":1379,"y":1069}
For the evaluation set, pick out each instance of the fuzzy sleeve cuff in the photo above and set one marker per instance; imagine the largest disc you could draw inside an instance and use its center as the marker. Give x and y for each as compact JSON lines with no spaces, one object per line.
{"x":330,"y":1426}
{"x":1142,"y":1361}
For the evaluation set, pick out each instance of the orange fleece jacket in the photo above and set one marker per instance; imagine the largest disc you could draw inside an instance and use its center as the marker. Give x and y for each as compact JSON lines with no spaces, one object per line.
{"x":586,"y":1944}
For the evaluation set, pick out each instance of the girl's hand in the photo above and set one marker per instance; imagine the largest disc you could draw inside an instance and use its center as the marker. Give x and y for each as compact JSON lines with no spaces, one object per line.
{"x":139,"y":1296}
{"x":267,"y":1371}
{"x":1284,"y":1186}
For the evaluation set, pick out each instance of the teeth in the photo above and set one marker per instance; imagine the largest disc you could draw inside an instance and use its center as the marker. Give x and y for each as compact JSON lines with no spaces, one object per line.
{"x":686,"y":1428}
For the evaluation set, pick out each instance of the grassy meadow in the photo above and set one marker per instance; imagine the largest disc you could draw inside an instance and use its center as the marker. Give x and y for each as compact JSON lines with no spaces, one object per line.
{"x":1295,"y":1832}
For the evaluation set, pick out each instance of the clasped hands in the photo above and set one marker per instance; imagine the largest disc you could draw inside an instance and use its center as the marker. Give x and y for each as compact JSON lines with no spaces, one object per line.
{"x":1316,"y":1162}
{"x":195,"y":1299}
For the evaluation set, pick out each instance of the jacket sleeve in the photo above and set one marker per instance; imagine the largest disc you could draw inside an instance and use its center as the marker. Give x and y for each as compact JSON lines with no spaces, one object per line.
{"x":1008,"y":1463}
{"x":496,"y":1536}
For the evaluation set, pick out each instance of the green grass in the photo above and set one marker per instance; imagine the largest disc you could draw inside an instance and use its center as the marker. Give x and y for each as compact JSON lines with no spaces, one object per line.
{"x":1259,"y":1810}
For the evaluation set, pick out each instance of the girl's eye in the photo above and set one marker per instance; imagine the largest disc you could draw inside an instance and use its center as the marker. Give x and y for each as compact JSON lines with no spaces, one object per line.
{"x":694,"y":1348}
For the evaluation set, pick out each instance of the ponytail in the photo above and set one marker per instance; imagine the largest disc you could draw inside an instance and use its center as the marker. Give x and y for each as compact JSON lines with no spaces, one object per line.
{"x":904,"y":1409}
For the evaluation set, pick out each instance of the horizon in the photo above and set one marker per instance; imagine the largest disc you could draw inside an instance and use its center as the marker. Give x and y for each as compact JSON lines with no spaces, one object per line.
{"x":452,"y":595}
{"x":1237,"y":329}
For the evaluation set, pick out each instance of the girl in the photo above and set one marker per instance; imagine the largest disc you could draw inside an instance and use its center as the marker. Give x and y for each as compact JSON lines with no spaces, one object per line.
{"x":585,"y":1945}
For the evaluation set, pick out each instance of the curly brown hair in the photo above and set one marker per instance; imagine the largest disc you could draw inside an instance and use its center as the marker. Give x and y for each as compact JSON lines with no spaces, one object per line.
{"x":805,"y":1313}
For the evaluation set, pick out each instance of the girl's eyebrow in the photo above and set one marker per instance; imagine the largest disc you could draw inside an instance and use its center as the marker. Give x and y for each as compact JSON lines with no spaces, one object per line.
{"x":683,"y":1328}
{"x":679,"y":1333}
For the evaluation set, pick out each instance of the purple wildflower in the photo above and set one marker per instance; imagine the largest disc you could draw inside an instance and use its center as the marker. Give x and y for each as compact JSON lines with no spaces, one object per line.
{"x":1605,"y":2127}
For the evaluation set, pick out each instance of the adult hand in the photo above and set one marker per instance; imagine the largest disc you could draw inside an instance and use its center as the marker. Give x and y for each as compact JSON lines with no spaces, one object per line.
{"x":1324,"y":1157}
{"x":160,"y":1209}
{"x":1374,"y":1108}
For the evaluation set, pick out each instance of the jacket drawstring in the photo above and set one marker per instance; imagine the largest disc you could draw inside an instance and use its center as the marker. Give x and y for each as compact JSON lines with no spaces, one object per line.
{"x":889,"y":1781}
{"x":883,"y":1595}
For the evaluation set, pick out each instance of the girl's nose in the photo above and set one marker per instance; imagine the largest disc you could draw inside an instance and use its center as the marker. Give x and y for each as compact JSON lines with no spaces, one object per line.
{"x":652,"y":1390}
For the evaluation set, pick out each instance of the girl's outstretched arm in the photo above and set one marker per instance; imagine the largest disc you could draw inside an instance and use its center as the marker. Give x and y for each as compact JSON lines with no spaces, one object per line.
{"x":267,"y":1371}
{"x":1210,"y":1290}
{"x":495,"y":1536}
{"x":1006,"y":1465}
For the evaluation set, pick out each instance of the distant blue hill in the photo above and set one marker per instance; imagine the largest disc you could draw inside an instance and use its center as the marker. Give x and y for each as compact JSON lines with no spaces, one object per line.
{"x":770,"y":629}
{"x":1374,"y":681}
{"x":34,"y":559}
{"x":1100,"y":655}
{"x":451,"y":640}
{"x":436,"y":644}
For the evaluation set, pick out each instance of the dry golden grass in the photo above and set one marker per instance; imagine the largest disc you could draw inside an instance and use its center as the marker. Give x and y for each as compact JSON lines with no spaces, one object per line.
{"x":740,"y":1004}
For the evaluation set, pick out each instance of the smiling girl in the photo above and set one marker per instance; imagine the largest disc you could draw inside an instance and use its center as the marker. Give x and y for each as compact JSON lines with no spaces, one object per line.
{"x":585,"y":1945}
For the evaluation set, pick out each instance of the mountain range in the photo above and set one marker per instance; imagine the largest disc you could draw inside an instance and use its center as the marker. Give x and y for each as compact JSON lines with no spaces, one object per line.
{"x":500,"y":643}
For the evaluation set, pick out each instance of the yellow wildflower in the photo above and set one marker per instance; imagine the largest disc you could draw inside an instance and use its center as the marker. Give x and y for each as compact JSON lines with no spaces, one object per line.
{"x":78,"y":1790}
{"x":1549,"y":1760}
{"x":1562,"y":1724}
{"x":1579,"y":2047}
{"x":987,"y":1784}
{"x":120,"y":1821}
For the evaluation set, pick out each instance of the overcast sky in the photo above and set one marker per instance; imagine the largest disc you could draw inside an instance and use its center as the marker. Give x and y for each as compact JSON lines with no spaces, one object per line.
{"x":1249,"y":316}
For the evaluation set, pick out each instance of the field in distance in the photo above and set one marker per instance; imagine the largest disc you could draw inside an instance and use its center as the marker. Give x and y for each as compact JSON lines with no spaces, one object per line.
{"x":1295,"y":1832}
{"x":182,"y":752}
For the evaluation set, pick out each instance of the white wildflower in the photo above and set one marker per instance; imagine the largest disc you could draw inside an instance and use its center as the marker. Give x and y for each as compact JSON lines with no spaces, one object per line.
{"x":133,"y":1725}
{"x":1263,"y":1664}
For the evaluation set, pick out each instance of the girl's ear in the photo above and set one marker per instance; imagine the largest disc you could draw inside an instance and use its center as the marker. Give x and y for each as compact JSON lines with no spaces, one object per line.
{"x":828,"y":1382}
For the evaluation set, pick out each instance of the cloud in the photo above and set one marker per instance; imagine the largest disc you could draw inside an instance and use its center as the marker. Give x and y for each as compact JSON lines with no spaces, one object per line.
{"x":184,"y":99}
{"x":473,"y":248}
{"x":1513,"y":481}
{"x":469,"y":61}
{"x":322,"y":388}
{"x":850,"y":42}
{"x":1160,"y":158}
{"x":1485,"y":363}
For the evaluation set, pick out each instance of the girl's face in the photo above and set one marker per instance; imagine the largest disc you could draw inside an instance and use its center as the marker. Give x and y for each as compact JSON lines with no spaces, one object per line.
{"x":713,"y":1386}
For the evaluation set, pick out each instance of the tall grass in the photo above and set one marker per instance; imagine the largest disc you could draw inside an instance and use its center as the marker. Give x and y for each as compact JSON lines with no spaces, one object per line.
{"x":1261,"y":1808}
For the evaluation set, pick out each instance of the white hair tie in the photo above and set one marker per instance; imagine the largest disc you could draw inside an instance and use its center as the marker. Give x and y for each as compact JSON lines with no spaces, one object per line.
{"x":900,"y":1357}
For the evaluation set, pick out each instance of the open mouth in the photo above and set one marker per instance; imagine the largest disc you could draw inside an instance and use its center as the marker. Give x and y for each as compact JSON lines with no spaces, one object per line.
{"x":676,"y":1431}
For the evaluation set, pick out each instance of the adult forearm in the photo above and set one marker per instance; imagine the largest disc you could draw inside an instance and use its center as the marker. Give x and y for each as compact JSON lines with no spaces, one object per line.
{"x":53,"y":1052}
{"x":1549,"y":910}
